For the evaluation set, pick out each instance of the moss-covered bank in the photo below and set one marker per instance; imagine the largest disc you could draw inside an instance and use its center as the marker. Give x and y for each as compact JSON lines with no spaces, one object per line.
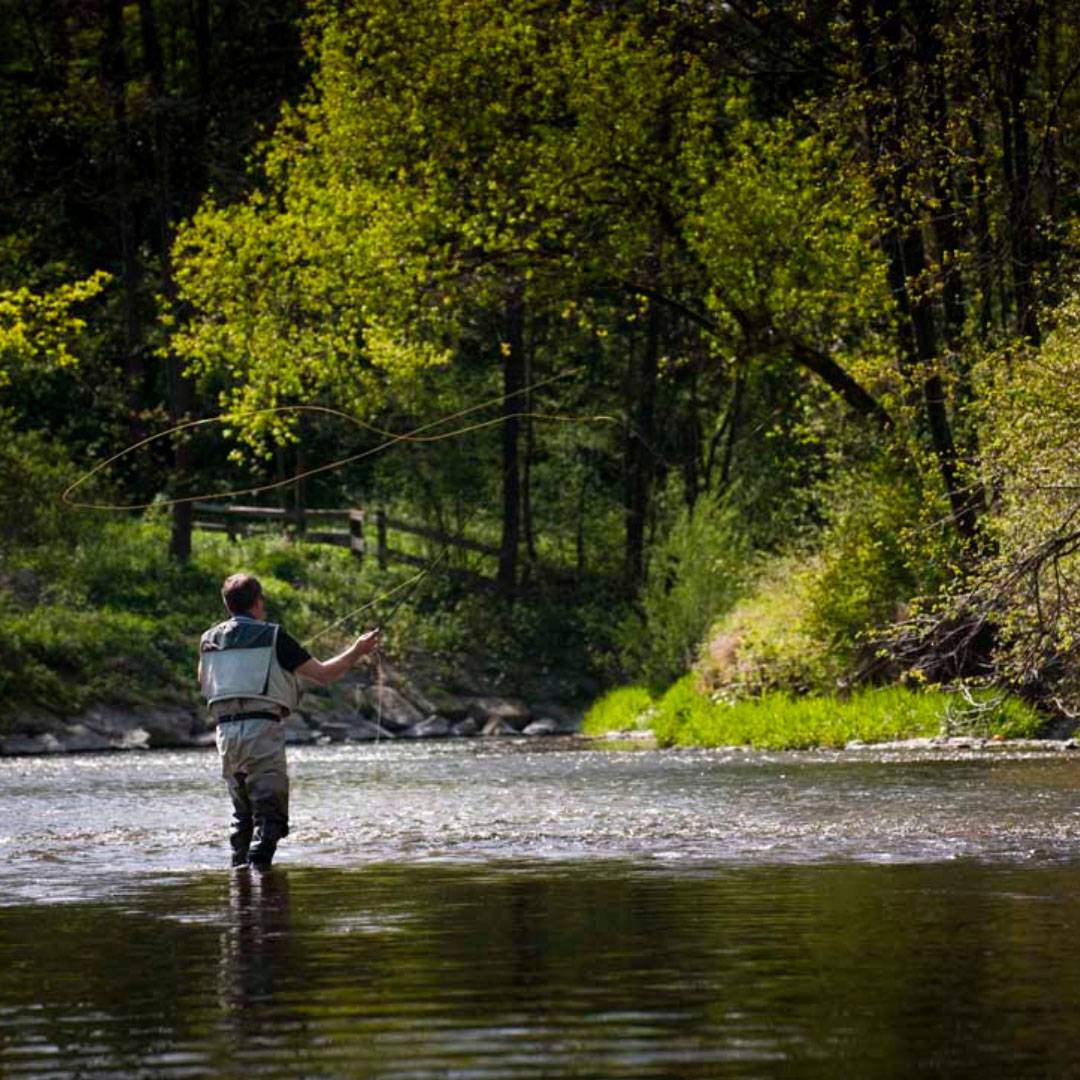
{"x":684,"y":716}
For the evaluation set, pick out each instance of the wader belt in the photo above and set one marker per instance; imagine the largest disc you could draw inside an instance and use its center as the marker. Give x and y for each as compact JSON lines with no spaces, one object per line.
{"x":229,"y":717}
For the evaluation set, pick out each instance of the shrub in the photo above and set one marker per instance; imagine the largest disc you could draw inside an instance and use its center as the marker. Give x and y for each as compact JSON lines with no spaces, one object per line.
{"x":811,"y":620}
{"x":33,"y":473}
{"x":65,"y":659}
{"x":628,"y":708}
{"x":695,"y":572}
{"x":1027,"y":587}
{"x":878,"y":550}
{"x":767,"y":640}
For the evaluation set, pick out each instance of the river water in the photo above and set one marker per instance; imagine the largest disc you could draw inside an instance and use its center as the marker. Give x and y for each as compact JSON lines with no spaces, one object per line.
{"x":545,"y":909}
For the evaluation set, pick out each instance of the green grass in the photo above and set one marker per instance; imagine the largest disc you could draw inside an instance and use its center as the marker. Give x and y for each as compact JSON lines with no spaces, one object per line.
{"x":778,"y":721}
{"x":119,"y":621}
{"x":116,"y":620}
{"x":627,"y":709}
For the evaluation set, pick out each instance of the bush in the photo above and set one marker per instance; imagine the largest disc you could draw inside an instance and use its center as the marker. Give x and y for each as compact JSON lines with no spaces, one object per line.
{"x":1027,"y":588}
{"x":880,"y":548}
{"x":695,"y":572}
{"x":64,"y":660}
{"x":811,"y":621}
{"x":628,"y":708}
{"x":766,"y":641}
{"x":33,"y":473}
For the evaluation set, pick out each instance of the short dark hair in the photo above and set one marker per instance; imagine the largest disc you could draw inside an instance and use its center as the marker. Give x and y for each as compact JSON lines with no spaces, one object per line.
{"x":240,"y":592}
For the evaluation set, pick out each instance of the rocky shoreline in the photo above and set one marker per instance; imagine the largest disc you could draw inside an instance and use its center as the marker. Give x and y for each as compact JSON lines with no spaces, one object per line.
{"x":366,"y":707}
{"x":934,"y":746}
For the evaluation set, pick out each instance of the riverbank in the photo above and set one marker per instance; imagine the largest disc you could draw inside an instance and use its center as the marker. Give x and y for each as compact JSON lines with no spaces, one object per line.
{"x":390,"y":701}
{"x":378,"y":702}
{"x":687,"y":716}
{"x":936,"y":748}
{"x":97,"y":648}
{"x":99,"y":636}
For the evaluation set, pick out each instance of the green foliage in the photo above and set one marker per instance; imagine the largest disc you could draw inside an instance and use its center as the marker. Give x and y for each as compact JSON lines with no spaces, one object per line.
{"x":766,"y":641}
{"x":629,"y":708}
{"x":37,"y":330}
{"x":33,"y":472}
{"x":450,"y":157}
{"x":729,"y":268}
{"x":783,"y":226}
{"x":882,"y":546}
{"x":551,"y":630}
{"x":63,"y":659}
{"x":117,"y":619}
{"x":811,"y":619}
{"x":696,"y":570}
{"x":778,"y":721}
{"x":1027,"y":587}
{"x":114,"y":618}
{"x":993,"y":714}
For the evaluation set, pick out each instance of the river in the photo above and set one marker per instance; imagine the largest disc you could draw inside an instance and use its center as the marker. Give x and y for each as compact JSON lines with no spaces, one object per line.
{"x":545,"y":909}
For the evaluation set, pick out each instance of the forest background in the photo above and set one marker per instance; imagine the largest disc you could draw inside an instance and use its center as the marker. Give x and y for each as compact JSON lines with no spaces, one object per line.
{"x":762,"y":316}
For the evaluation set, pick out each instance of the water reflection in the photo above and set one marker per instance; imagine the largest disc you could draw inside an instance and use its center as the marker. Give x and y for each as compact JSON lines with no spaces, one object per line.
{"x":552,"y":970}
{"x":255,"y":946}
{"x":491,"y":911}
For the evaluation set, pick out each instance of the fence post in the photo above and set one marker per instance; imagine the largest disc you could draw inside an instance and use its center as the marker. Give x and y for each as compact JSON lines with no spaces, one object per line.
{"x":380,"y":537}
{"x":356,"y":533}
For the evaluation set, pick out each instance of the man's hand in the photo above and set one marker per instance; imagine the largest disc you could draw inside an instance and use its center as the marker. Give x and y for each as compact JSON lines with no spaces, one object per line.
{"x":334,"y":668}
{"x":367,"y":642}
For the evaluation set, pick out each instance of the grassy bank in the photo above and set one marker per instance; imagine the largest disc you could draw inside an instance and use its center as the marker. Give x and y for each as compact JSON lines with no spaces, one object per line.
{"x":778,"y":721}
{"x":112,"y":618}
{"x":106,"y":615}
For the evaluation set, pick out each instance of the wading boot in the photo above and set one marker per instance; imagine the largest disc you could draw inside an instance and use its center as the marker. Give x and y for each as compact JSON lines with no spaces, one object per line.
{"x":240,"y":841}
{"x":267,"y":835}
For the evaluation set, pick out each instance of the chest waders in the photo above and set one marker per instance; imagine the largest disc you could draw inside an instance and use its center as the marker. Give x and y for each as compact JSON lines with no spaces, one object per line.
{"x":248,"y":693}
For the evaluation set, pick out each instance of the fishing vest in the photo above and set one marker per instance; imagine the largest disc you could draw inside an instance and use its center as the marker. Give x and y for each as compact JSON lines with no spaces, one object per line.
{"x":239,"y":660}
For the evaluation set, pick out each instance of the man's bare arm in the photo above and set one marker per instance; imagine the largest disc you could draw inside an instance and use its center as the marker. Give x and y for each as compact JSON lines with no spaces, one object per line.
{"x":328,"y":671}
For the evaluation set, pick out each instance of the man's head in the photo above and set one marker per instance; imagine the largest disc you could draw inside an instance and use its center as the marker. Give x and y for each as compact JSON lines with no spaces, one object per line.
{"x":242,"y":594}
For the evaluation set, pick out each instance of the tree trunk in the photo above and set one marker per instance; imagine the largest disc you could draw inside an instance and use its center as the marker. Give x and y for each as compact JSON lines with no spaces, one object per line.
{"x":984,"y":246}
{"x":513,"y":384}
{"x":528,"y":522}
{"x":115,"y":76}
{"x":180,"y":390}
{"x":639,"y":451}
{"x":903,"y":240}
{"x":731,"y":421}
{"x":1022,"y":28}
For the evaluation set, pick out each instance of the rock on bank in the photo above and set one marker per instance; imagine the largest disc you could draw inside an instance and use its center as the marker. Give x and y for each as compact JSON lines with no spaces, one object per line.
{"x":362,"y":708}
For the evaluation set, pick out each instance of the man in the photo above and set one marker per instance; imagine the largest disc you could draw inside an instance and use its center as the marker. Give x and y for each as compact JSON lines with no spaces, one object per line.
{"x":249,"y":673}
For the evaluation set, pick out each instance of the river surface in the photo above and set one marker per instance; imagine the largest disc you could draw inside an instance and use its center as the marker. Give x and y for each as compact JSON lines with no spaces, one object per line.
{"x":503,"y":909}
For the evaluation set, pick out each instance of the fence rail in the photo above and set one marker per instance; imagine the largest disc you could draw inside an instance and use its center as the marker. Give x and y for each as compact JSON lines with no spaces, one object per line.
{"x":236,"y":520}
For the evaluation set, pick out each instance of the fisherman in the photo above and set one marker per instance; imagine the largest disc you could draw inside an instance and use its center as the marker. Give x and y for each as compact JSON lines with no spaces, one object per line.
{"x":249,"y":673}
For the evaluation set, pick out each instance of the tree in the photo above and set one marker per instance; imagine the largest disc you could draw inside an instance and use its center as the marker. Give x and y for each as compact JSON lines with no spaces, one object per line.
{"x":116,"y":117}
{"x":498,"y":171}
{"x":38,"y":330}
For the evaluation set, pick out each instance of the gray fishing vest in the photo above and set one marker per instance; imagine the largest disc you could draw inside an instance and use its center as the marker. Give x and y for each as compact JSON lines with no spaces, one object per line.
{"x":239,"y":660}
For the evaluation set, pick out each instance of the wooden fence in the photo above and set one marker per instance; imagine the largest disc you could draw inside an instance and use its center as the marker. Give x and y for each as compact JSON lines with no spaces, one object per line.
{"x":351,"y":533}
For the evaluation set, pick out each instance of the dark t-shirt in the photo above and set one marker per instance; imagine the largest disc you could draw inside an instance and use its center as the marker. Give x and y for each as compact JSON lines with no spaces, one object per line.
{"x":290,"y":653}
